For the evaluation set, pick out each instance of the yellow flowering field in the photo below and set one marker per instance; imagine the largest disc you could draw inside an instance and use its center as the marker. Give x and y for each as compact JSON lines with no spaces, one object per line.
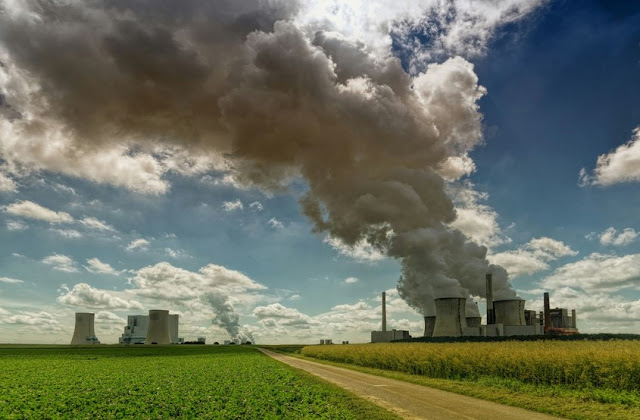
{"x":613,"y":364}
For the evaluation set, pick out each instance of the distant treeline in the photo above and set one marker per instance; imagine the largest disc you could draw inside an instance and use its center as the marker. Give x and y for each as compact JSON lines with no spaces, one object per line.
{"x":575,"y":337}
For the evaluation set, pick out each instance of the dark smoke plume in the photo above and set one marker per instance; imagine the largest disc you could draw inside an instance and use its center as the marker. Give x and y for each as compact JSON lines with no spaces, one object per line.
{"x":279,"y":100}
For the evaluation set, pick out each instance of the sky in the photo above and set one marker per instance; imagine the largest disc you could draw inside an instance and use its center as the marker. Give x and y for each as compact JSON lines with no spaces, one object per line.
{"x":266,"y":169}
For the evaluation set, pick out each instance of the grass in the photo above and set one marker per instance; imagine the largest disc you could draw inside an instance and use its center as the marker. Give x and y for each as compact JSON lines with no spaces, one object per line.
{"x":553,"y":393}
{"x":166,"y":382}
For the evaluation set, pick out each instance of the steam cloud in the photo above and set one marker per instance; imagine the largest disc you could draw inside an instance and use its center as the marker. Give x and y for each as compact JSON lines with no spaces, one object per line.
{"x":277,"y":97}
{"x":227,"y":318}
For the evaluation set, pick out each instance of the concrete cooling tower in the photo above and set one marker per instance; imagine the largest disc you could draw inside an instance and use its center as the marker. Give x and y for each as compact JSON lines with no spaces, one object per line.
{"x":474,"y":321}
{"x":509,"y":312}
{"x":83,"y":332}
{"x":450,"y":317}
{"x":429,"y":323}
{"x":158,"y":330}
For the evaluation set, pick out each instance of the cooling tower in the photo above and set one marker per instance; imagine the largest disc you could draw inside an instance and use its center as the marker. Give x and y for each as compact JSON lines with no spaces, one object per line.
{"x":450,"y":317}
{"x":158,"y":330}
{"x":509,"y":312}
{"x":474,"y":321}
{"x":429,"y":323}
{"x":83,"y":333}
{"x":174,"y":320}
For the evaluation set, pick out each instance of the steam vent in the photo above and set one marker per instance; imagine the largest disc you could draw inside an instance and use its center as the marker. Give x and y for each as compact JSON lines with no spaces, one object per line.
{"x":158,"y":329}
{"x":83,"y":333}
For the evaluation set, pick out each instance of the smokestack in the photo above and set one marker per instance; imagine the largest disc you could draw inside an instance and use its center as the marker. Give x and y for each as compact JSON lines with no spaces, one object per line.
{"x":573,"y":319}
{"x":384,"y":312}
{"x":429,"y":323}
{"x":490,"y":313}
{"x":509,"y":312}
{"x":547,"y":312}
{"x":158,"y":330}
{"x":450,"y":317}
{"x":83,"y":333}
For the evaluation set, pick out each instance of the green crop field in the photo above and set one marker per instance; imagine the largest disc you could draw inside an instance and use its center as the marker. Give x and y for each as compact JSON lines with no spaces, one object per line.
{"x":165,"y":382}
{"x":575,"y":379}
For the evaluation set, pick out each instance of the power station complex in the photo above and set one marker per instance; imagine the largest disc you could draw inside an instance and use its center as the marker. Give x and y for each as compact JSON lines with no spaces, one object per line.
{"x":143,"y":328}
{"x":504,"y":318}
{"x":159,"y":327}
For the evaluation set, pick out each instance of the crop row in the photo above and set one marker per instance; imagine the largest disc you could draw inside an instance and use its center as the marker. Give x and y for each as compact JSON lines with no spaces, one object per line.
{"x":162,"y":382}
{"x":607,"y":364}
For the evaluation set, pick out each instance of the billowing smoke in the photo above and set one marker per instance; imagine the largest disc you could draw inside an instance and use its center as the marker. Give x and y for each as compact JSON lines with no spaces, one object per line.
{"x":227,"y":318}
{"x":278,"y":96}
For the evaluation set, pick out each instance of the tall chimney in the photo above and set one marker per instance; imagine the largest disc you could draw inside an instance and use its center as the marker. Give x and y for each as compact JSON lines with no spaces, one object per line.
{"x":490,"y":313}
{"x":547,"y":312}
{"x":384,"y":312}
{"x":573,"y":319}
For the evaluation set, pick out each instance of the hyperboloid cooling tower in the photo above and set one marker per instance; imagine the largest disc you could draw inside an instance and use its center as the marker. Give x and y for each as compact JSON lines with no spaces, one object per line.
{"x":450,"y":317}
{"x":509,"y":312}
{"x":158,"y":330}
{"x":474,"y":321}
{"x":429,"y":323}
{"x":83,"y":333}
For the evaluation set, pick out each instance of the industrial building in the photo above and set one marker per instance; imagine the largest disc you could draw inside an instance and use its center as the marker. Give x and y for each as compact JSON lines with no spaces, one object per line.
{"x":135,"y":332}
{"x":506,"y":317}
{"x":385,"y":336}
{"x":83,"y":332}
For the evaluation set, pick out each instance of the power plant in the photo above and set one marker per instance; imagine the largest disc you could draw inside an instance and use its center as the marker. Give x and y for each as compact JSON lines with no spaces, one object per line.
{"x":84,"y":333}
{"x":505,"y":317}
{"x":385,"y":336}
{"x":159,"y":327}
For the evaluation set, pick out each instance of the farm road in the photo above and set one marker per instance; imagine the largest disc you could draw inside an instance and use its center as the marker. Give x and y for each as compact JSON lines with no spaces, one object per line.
{"x":409,"y":400}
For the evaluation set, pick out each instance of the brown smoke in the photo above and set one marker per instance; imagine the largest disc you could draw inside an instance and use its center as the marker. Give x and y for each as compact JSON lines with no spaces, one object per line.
{"x":244,"y":80}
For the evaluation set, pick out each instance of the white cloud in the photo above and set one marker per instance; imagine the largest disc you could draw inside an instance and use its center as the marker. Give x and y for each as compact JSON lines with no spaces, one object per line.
{"x":68,"y":233}
{"x":94,"y":265}
{"x":275,"y":223}
{"x":31,"y":210}
{"x":232,"y":205}
{"x":532,"y":257}
{"x":7,"y":184}
{"x":475,"y":219}
{"x":610,"y":236}
{"x":598,"y":272}
{"x":166,"y":282}
{"x":176,"y":253}
{"x":138,"y":244}
{"x":106,"y":317}
{"x":451,"y":27}
{"x":361,"y":251}
{"x":455,"y":167}
{"x":41,"y":319}
{"x":295,"y":297}
{"x":256,"y":205}
{"x":93,"y":223}
{"x":61,"y":263}
{"x":351,"y":280}
{"x":620,"y":165}
{"x":15,"y":225}
{"x":10,"y":280}
{"x":86,"y":296}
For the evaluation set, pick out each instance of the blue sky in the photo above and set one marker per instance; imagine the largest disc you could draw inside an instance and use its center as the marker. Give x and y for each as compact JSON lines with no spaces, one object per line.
{"x":118,"y":220}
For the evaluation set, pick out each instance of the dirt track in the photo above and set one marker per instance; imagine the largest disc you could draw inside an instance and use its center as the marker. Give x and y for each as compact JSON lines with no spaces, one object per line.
{"x":409,"y":400}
